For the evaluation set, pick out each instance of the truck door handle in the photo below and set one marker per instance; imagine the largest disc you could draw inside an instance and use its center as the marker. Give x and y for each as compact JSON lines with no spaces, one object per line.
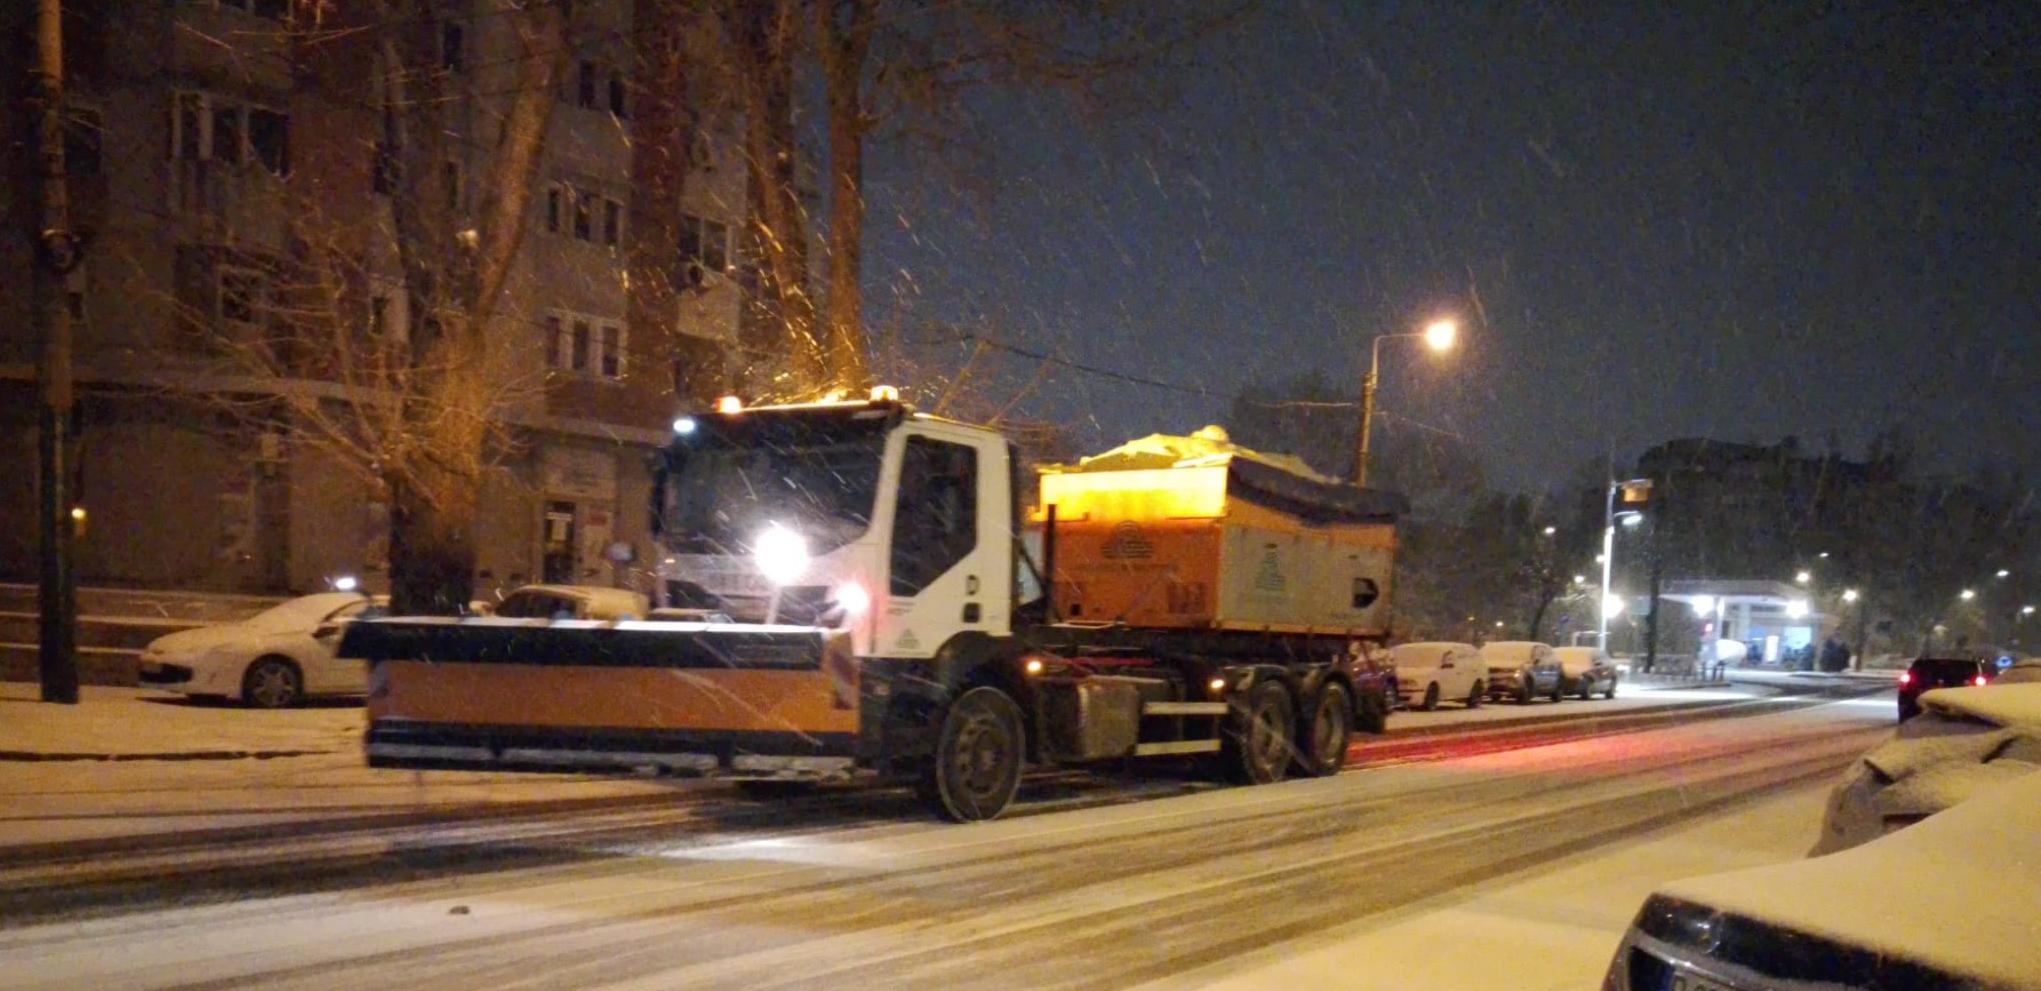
{"x":971,"y":612}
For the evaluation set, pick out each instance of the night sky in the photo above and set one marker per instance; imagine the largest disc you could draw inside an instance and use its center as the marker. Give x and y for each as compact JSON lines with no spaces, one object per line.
{"x":1705,"y":219}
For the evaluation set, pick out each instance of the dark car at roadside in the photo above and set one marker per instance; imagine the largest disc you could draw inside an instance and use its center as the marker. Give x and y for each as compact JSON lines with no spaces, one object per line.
{"x":1929,"y":673}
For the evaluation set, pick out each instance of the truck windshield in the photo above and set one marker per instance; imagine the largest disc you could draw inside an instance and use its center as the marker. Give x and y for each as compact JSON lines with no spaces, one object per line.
{"x":820,"y":484}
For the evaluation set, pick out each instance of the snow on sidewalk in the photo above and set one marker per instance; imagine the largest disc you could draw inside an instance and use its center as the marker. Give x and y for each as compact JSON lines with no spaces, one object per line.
{"x":126,"y":762}
{"x":1551,"y":931}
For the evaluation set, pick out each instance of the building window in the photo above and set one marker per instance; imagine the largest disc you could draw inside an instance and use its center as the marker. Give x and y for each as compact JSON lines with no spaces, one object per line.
{"x":272,"y":9}
{"x":616,"y":95}
{"x":585,"y":345}
{"x":226,"y":133}
{"x":584,"y":86}
{"x":204,"y":127}
{"x":584,"y":220}
{"x":453,"y":56}
{"x":705,"y":243}
{"x":554,"y":194}
{"x":612,"y":222}
{"x":269,"y":137}
{"x":238,"y":296}
{"x":612,"y":351}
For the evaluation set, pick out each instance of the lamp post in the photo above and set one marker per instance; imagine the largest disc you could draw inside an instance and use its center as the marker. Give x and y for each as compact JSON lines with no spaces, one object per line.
{"x":1439,"y":336}
{"x":1635,"y":490}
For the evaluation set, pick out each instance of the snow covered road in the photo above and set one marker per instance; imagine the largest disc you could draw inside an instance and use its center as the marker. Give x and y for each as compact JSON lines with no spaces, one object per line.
{"x":1281,"y":886}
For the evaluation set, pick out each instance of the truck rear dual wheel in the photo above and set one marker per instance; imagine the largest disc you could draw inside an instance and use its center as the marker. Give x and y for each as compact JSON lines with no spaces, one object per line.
{"x":1257,"y":747}
{"x":980,"y":751}
{"x":1325,"y":731}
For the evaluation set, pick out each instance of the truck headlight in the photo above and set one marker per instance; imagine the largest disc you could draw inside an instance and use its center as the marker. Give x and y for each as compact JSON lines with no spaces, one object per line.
{"x":782,"y":554}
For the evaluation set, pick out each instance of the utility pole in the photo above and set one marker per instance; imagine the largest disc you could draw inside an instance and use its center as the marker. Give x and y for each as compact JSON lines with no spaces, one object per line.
{"x":57,"y":255}
{"x":1367,"y":412}
{"x":1658,"y":525}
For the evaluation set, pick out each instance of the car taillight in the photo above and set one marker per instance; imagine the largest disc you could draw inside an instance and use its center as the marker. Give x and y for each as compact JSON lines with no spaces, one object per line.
{"x":1979,"y":681}
{"x":1906,"y":677}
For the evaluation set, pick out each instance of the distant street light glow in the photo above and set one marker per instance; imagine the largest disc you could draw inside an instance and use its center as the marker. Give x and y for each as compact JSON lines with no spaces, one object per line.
{"x":1804,"y":577}
{"x":2026,"y":610}
{"x":1440,"y":335}
{"x":1550,"y":530}
{"x":1796,"y":609}
{"x":1849,"y":595}
{"x":1968,"y":594}
{"x":1612,"y":605}
{"x":2003,"y":572}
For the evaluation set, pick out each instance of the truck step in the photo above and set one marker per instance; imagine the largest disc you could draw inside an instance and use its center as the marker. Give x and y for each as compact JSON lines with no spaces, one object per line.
{"x":1183,"y":708}
{"x":1175,"y":747}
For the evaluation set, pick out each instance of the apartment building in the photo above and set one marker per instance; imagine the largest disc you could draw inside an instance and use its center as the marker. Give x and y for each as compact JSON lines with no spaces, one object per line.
{"x":219,"y":151}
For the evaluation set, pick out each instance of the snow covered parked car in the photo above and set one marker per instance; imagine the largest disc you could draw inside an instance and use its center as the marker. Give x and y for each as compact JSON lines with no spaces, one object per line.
{"x":1586,"y":672}
{"x":277,"y":657}
{"x":1948,"y":904}
{"x":1429,"y":672}
{"x":1965,"y":740}
{"x":1520,"y":669}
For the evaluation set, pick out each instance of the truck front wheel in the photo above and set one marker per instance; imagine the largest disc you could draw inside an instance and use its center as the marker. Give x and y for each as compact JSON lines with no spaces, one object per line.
{"x":1323,"y":738}
{"x":978,"y":757}
{"x":1258,"y":747}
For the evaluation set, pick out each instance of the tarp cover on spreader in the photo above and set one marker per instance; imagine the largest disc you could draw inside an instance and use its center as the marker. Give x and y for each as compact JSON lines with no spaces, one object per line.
{"x":1279,"y":481}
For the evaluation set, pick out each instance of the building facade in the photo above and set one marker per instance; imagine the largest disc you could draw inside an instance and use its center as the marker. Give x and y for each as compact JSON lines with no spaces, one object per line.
{"x":221,"y":147}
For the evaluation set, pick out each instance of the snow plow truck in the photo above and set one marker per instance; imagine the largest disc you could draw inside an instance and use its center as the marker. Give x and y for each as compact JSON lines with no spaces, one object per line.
{"x":852,"y":589}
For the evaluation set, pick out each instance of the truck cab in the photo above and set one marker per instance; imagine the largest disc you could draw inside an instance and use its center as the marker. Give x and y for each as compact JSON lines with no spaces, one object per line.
{"x":895,"y":527}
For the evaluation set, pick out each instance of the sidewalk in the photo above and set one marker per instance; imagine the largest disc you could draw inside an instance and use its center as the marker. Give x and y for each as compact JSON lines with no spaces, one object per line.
{"x":125,"y":763}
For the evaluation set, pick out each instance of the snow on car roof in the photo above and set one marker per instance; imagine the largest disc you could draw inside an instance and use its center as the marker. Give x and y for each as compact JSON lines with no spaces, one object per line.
{"x":2016,"y":705}
{"x":1959,"y":891}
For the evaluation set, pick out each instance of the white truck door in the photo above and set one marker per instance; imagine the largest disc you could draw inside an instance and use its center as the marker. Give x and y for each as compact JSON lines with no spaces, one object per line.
{"x":950,"y":528}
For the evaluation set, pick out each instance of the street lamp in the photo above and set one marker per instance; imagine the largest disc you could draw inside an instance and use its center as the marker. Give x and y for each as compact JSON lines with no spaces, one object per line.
{"x":1550,"y":530}
{"x":1849,"y":595}
{"x":1635,"y":491}
{"x":1439,"y":336}
{"x":2002,"y":573}
{"x":1968,"y":594}
{"x":1804,"y":577}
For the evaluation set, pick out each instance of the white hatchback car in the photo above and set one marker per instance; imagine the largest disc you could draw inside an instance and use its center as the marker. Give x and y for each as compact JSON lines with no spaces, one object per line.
{"x":273,"y":659}
{"x":1429,"y":672}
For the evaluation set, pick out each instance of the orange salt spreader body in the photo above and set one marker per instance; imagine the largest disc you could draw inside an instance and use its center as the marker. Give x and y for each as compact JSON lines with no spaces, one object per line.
{"x":1197,"y":533}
